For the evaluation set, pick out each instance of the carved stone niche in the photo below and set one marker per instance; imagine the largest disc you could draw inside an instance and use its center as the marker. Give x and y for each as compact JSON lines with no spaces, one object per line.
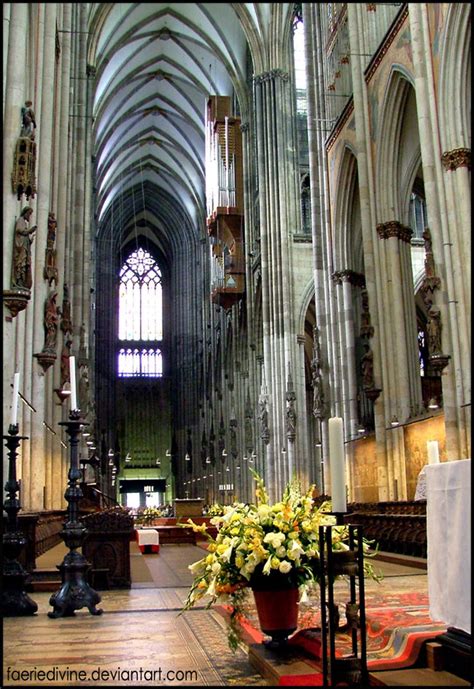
{"x":24,"y":162}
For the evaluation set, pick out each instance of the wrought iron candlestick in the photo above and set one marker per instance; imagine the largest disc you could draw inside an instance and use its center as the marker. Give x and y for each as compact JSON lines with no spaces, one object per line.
{"x":75,"y":592}
{"x":14,"y":600}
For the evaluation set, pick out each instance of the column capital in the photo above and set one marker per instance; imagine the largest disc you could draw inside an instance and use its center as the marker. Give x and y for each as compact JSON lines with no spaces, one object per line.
{"x":356,"y":279}
{"x":458,"y":157}
{"x":271,"y":74}
{"x":394,"y":228}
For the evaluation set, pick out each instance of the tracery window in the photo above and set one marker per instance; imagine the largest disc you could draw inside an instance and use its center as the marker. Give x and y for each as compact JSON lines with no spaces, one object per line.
{"x":300,"y":65}
{"x":140,"y":317}
{"x":418,"y":220}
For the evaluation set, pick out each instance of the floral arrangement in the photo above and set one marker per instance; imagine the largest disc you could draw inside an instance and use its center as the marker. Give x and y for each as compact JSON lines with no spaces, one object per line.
{"x":148,"y":515}
{"x":276,"y":545}
{"x":215,"y":510}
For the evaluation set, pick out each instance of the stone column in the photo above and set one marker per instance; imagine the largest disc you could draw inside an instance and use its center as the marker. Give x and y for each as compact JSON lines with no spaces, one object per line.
{"x":372,"y":259}
{"x":447,"y":252}
{"x":63,"y":183}
{"x":41,"y":383}
{"x":276,"y":169}
{"x":80,"y":122}
{"x":398,"y":281}
{"x":15,"y":29}
{"x":6,"y":32}
{"x":305,"y":456}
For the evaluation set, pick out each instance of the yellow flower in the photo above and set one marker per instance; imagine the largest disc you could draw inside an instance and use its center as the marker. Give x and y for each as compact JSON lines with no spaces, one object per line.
{"x":275,"y":563}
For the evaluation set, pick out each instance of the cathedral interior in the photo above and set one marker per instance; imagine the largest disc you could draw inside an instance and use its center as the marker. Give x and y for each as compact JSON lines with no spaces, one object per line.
{"x":226,"y":225}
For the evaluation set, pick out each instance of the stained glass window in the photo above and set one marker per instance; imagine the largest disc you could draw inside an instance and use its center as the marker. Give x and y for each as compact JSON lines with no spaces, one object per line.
{"x":140,"y":316}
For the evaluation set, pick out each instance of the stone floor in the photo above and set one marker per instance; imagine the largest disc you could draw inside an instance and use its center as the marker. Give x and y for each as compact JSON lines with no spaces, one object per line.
{"x":141,"y":638}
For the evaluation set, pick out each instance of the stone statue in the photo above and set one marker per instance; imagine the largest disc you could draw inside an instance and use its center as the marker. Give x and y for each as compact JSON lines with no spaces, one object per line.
{"x":50,"y":271}
{"x":28,"y":121}
{"x":51,"y":322}
{"x":65,"y":354}
{"x":318,"y":396}
{"x":66,"y":322}
{"x":290,"y":420}
{"x":21,"y":269}
{"x":429,"y":261}
{"x":366,"y":329}
{"x":84,"y":387}
{"x":367,"y":367}
{"x":433,"y":329}
{"x":263,"y":416}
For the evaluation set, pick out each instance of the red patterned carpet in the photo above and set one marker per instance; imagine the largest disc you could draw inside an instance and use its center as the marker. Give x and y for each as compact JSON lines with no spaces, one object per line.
{"x":397,"y":627}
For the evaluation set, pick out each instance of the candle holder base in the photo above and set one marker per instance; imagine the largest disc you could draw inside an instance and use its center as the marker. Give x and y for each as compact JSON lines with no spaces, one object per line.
{"x":75,"y":593}
{"x":15,"y":602}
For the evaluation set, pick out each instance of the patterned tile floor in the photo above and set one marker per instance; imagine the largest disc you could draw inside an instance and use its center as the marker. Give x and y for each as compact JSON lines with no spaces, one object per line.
{"x":141,"y":638}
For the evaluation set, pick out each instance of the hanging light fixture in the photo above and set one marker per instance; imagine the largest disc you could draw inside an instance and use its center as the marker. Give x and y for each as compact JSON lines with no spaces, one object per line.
{"x":394,"y":422}
{"x":187,"y":457}
{"x":433,"y":404}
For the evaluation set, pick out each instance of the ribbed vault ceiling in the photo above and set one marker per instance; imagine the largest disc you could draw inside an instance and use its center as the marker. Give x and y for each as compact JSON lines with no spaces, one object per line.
{"x":156,"y":64}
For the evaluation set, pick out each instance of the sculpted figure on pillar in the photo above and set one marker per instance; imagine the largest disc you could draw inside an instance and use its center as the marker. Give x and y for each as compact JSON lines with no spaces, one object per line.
{"x":318,"y":396}
{"x":84,"y":387}
{"x":66,"y":322}
{"x":366,"y":328}
{"x":21,"y":269}
{"x":429,"y":261}
{"x":50,"y":272}
{"x":263,"y":416}
{"x":367,"y":367}
{"x":51,"y":322}
{"x":433,"y":328}
{"x":65,"y":354}
{"x":28,"y":121}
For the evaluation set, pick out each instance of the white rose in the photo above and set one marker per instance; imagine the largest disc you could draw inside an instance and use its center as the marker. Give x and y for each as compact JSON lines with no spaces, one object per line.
{"x":285,"y":566}
{"x":275,"y":539}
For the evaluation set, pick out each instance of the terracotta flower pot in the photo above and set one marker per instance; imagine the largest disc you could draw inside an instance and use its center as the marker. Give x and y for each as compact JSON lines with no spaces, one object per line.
{"x":277,"y":612}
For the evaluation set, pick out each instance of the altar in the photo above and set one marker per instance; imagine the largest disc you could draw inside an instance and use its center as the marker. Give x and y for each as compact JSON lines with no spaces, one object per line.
{"x":189,"y":507}
{"x":448,"y":522}
{"x":148,"y":539}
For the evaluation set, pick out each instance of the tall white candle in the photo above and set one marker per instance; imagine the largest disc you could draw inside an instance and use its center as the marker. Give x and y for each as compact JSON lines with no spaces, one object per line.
{"x":337,"y":464}
{"x":433,"y":452}
{"x":16,"y":387}
{"x":72,"y":375}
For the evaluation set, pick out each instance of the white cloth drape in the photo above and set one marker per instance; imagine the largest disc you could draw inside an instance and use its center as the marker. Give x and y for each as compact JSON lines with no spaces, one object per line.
{"x":148,"y":537}
{"x":448,"y":521}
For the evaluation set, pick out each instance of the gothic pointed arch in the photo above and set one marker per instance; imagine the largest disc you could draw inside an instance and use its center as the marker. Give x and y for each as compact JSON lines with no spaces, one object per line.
{"x":455,"y":78}
{"x":389,"y":172}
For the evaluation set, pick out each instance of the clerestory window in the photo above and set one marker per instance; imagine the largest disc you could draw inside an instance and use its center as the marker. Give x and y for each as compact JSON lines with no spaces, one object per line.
{"x":140,"y":317}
